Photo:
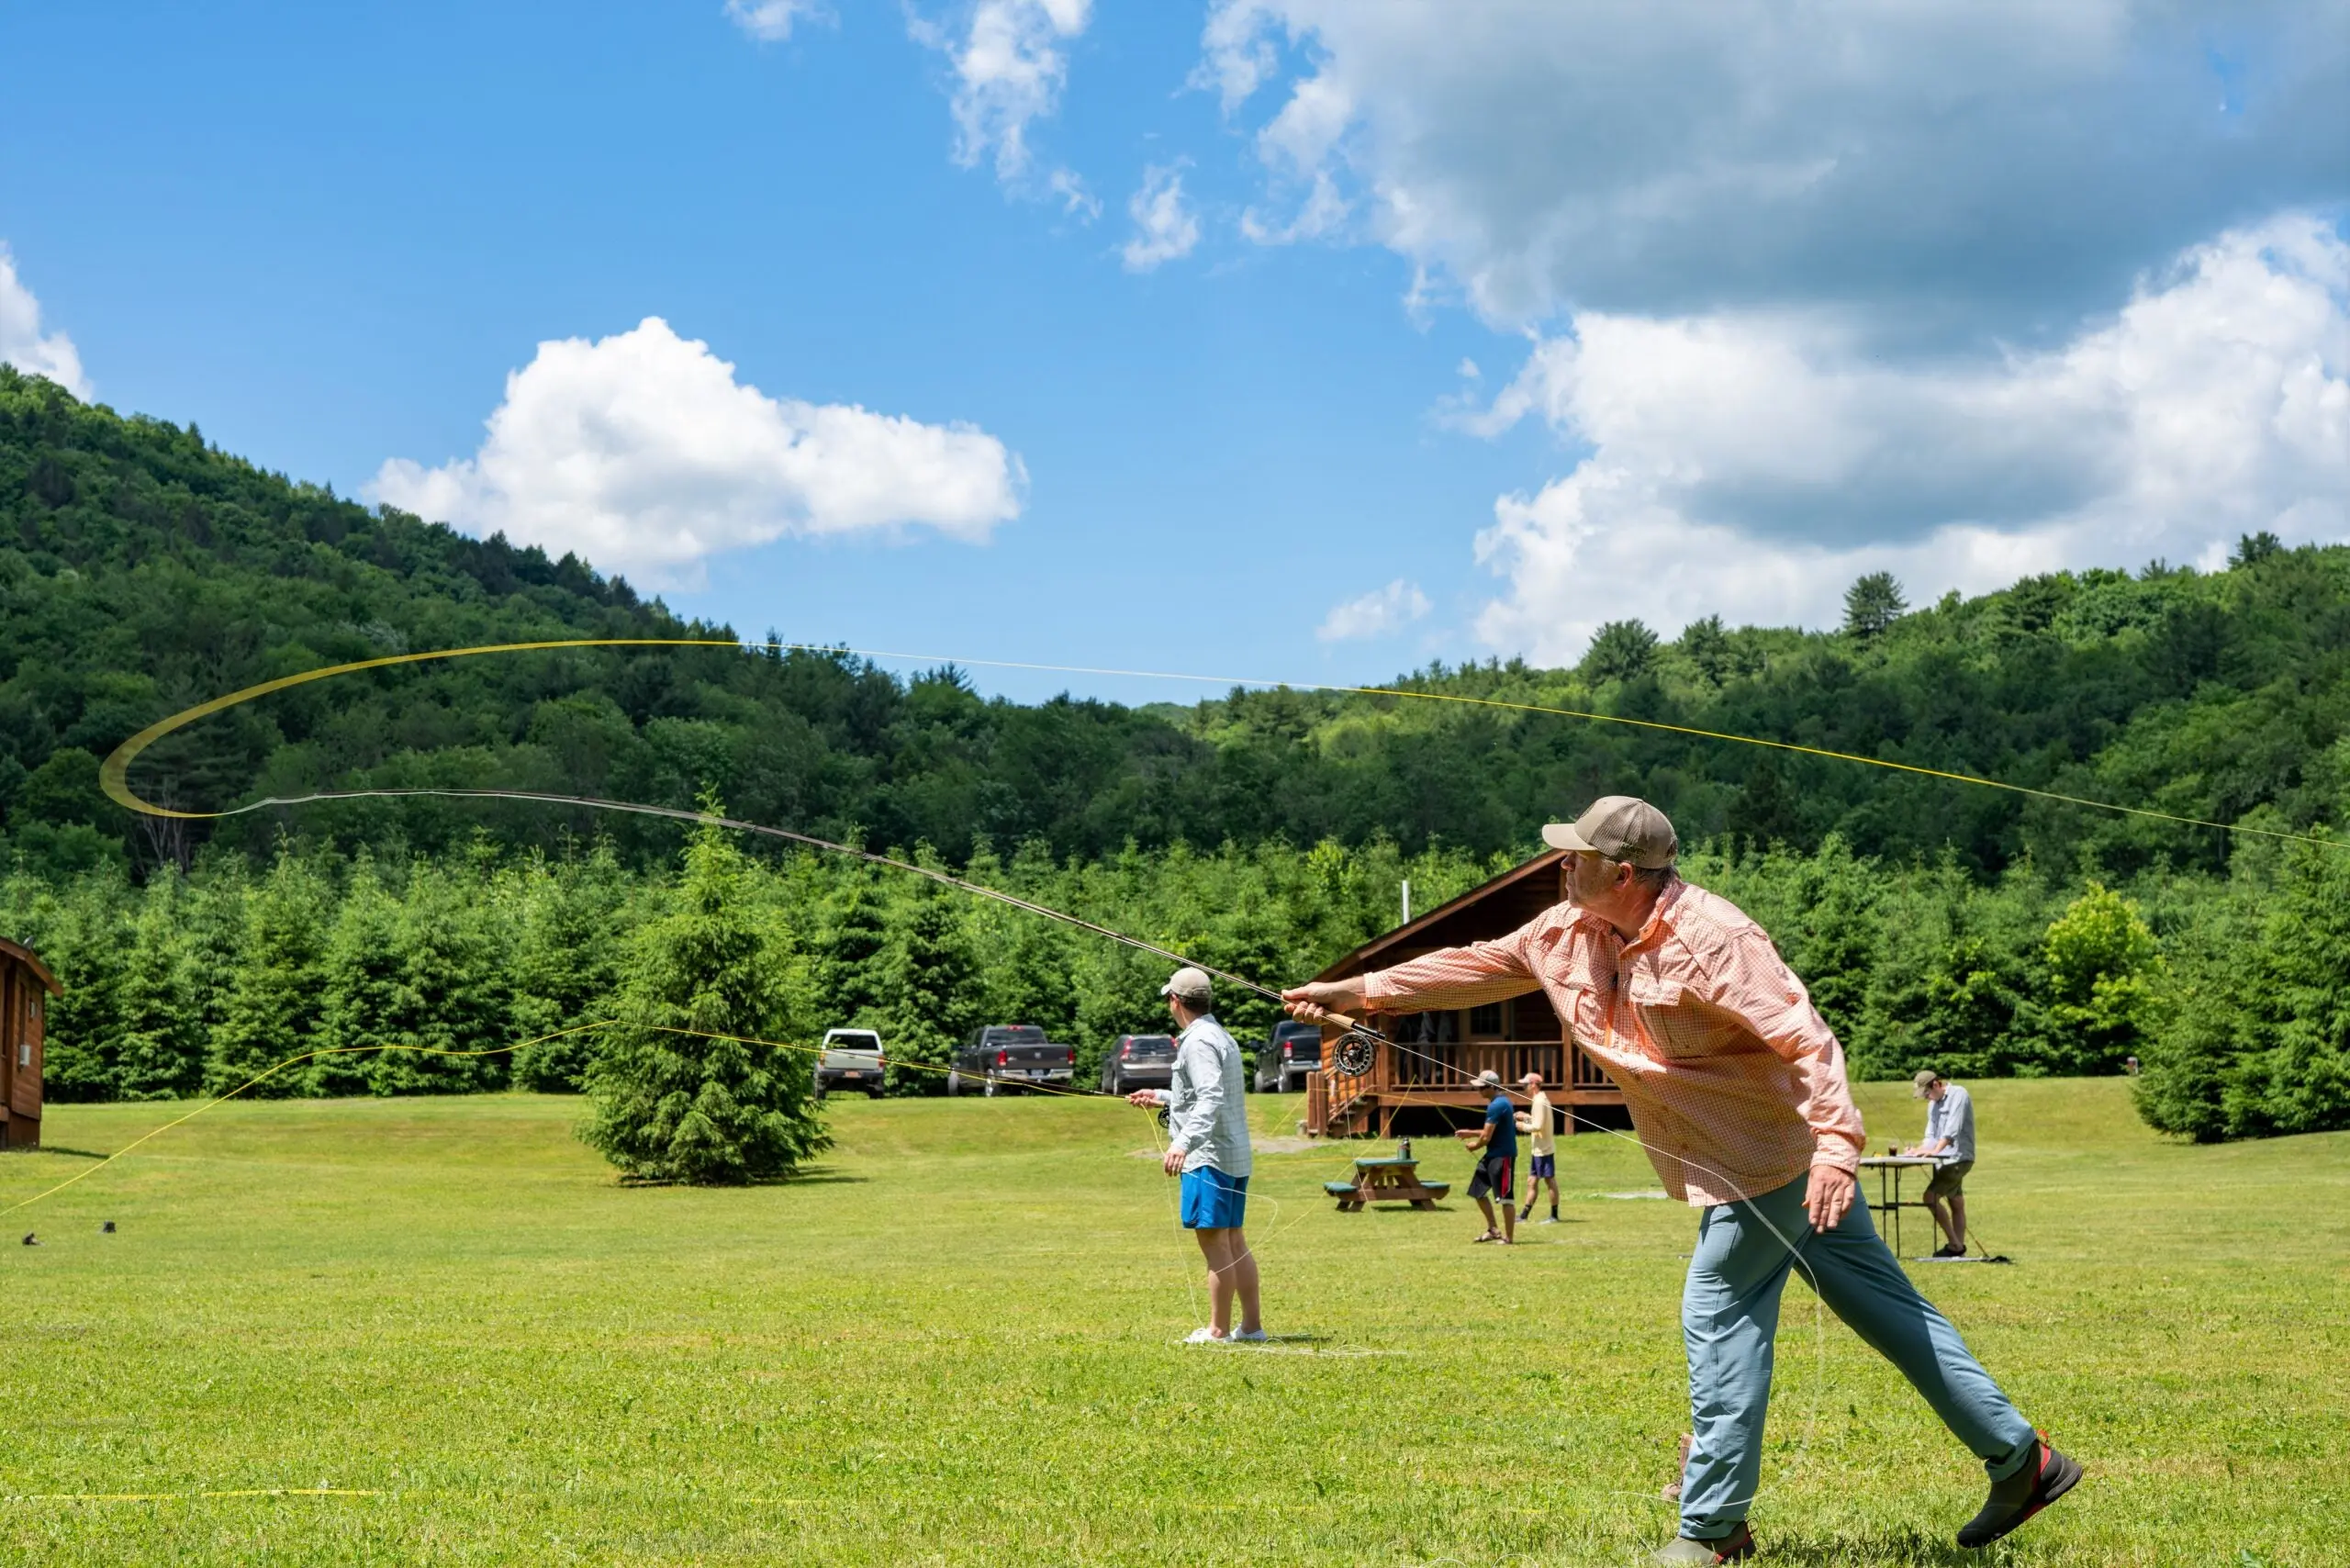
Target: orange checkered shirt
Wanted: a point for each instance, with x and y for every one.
(1735, 1081)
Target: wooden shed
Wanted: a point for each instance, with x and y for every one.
(1450, 1048)
(26, 986)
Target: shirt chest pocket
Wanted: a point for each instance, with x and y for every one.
(1674, 1022)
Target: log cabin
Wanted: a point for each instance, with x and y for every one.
(1435, 1081)
(26, 986)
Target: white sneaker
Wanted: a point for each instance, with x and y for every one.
(1250, 1336)
(1204, 1337)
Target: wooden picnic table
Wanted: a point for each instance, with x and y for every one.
(1387, 1179)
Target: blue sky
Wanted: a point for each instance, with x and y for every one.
(1139, 335)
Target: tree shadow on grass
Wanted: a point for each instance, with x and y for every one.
(809, 1176)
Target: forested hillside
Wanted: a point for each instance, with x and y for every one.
(142, 570)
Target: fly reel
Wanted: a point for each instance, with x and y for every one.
(1353, 1055)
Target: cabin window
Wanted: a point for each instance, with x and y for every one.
(1487, 1021)
(24, 1053)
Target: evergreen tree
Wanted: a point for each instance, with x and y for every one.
(1706, 647)
(1872, 605)
(935, 989)
(362, 970)
(451, 997)
(568, 917)
(851, 956)
(79, 933)
(162, 1040)
(673, 1107)
(1621, 650)
(274, 1002)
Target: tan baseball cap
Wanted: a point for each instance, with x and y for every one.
(1924, 1079)
(1190, 984)
(1621, 827)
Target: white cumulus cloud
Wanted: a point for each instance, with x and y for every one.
(24, 345)
(2002, 161)
(770, 21)
(1010, 61)
(643, 453)
(1165, 225)
(1752, 463)
(1375, 614)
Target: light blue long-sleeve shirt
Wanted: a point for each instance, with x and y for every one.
(1952, 1117)
(1207, 1104)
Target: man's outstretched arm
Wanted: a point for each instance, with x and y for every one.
(1456, 977)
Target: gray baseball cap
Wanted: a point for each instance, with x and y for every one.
(1190, 984)
(1489, 1079)
(1621, 827)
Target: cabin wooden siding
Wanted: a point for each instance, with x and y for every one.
(26, 986)
(1448, 1050)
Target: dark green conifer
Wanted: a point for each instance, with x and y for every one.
(273, 1002)
(161, 1046)
(678, 1108)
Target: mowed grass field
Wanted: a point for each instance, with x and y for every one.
(956, 1343)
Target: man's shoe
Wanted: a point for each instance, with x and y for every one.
(1734, 1546)
(1204, 1335)
(1250, 1336)
(2043, 1479)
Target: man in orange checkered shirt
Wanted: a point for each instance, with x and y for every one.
(1736, 1086)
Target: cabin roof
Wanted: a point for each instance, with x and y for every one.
(1355, 962)
(24, 955)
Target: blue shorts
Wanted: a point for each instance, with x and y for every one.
(1546, 1165)
(1212, 1201)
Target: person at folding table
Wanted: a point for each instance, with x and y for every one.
(1738, 1091)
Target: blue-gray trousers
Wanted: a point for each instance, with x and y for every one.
(1729, 1314)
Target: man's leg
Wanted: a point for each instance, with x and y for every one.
(1942, 1221)
(1486, 1207)
(1509, 1204)
(1217, 1249)
(1553, 1179)
(1241, 1267)
(1958, 1220)
(1729, 1316)
(1863, 1284)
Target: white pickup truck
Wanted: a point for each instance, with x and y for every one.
(851, 1059)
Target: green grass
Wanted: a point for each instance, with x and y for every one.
(955, 1344)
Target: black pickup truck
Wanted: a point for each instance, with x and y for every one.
(1283, 1062)
(1005, 1057)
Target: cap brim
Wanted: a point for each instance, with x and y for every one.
(1563, 835)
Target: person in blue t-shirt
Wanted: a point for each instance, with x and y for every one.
(1496, 1177)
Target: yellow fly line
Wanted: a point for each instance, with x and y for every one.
(114, 774)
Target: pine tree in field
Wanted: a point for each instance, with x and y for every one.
(673, 1107)
(273, 1000)
(79, 933)
(161, 1046)
(934, 991)
(851, 956)
(566, 917)
(452, 993)
(361, 968)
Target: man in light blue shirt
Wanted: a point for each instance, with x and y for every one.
(1207, 1145)
(1950, 1137)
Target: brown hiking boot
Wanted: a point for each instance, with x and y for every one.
(2039, 1482)
(1738, 1545)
